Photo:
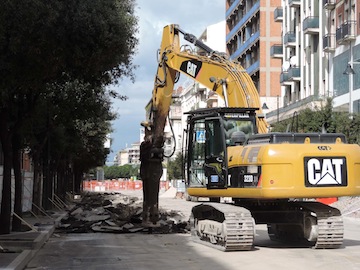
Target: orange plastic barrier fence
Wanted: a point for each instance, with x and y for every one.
(327, 200)
(117, 185)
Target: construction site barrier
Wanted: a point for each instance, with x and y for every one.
(120, 184)
(117, 185)
(327, 200)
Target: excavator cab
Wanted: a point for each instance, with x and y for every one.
(206, 159)
(210, 132)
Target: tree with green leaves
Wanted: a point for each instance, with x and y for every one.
(323, 119)
(112, 172)
(124, 171)
(175, 167)
(45, 45)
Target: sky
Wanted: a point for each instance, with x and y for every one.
(193, 16)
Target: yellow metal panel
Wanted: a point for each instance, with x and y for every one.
(283, 171)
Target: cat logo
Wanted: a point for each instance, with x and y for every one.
(191, 67)
(329, 171)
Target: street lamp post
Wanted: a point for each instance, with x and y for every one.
(350, 71)
(277, 111)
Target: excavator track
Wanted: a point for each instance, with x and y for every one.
(320, 225)
(221, 226)
(330, 229)
(330, 232)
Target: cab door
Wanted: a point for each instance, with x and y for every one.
(196, 153)
(215, 165)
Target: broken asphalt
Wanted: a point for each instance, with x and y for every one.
(95, 212)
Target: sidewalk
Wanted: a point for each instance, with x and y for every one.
(17, 249)
(20, 247)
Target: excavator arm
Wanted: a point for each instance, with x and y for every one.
(213, 70)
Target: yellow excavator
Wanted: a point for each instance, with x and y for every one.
(272, 178)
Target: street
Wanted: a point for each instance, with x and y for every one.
(177, 251)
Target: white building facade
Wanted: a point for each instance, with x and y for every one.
(320, 38)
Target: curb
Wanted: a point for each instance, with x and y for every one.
(26, 255)
(21, 260)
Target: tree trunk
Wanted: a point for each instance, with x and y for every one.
(5, 137)
(60, 183)
(47, 183)
(46, 177)
(37, 187)
(77, 181)
(16, 223)
(46, 192)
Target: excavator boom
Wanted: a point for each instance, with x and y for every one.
(228, 79)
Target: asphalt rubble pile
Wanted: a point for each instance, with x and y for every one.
(117, 213)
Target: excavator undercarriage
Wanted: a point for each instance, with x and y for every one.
(231, 227)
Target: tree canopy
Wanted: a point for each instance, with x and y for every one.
(175, 168)
(56, 59)
(124, 171)
(323, 119)
(89, 39)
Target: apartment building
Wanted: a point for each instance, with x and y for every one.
(130, 155)
(320, 54)
(341, 43)
(251, 33)
(302, 78)
(315, 45)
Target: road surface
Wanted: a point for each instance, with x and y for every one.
(176, 251)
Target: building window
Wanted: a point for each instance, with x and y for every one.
(341, 81)
(340, 20)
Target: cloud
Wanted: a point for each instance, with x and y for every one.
(191, 16)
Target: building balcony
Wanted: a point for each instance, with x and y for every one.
(231, 11)
(276, 51)
(284, 78)
(346, 32)
(253, 68)
(338, 35)
(294, 73)
(329, 43)
(311, 25)
(278, 14)
(329, 4)
(294, 3)
(246, 45)
(245, 19)
(290, 39)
